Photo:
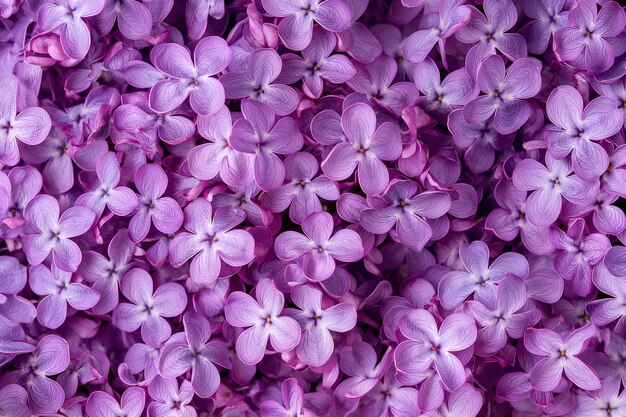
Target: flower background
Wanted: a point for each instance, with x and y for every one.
(312, 208)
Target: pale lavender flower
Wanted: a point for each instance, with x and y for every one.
(302, 193)
(57, 290)
(481, 279)
(296, 27)
(51, 357)
(169, 399)
(148, 307)
(548, 183)
(211, 242)
(547, 16)
(365, 149)
(260, 134)
(490, 34)
(263, 68)
(106, 274)
(187, 78)
(505, 93)
(507, 319)
(262, 321)
(317, 64)
(408, 210)
(576, 253)
(133, 18)
(318, 247)
(67, 17)
(376, 80)
(560, 355)
(163, 212)
(430, 344)
(585, 40)
(207, 160)
(316, 345)
(198, 354)
(105, 190)
(197, 13)
(30, 126)
(131, 404)
(46, 232)
(577, 129)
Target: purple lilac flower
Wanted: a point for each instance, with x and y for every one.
(29, 126)
(47, 233)
(365, 149)
(67, 17)
(318, 247)
(303, 191)
(260, 134)
(560, 356)
(257, 83)
(505, 93)
(197, 353)
(430, 344)
(481, 279)
(131, 404)
(189, 78)
(548, 184)
(317, 64)
(316, 345)
(133, 18)
(295, 401)
(149, 307)
(296, 27)
(585, 41)
(577, 130)
(547, 16)
(489, 34)
(197, 14)
(208, 160)
(58, 292)
(262, 321)
(210, 241)
(169, 398)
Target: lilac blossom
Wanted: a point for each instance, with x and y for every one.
(296, 27)
(257, 83)
(505, 93)
(187, 78)
(210, 241)
(376, 80)
(51, 357)
(197, 353)
(585, 41)
(548, 184)
(318, 247)
(131, 404)
(303, 191)
(260, 134)
(163, 212)
(29, 126)
(262, 320)
(207, 160)
(317, 65)
(547, 16)
(133, 18)
(316, 345)
(489, 33)
(148, 307)
(46, 232)
(58, 292)
(106, 273)
(560, 356)
(481, 279)
(67, 17)
(408, 210)
(430, 344)
(576, 130)
(295, 401)
(365, 149)
(169, 398)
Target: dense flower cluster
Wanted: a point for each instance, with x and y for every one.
(312, 208)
